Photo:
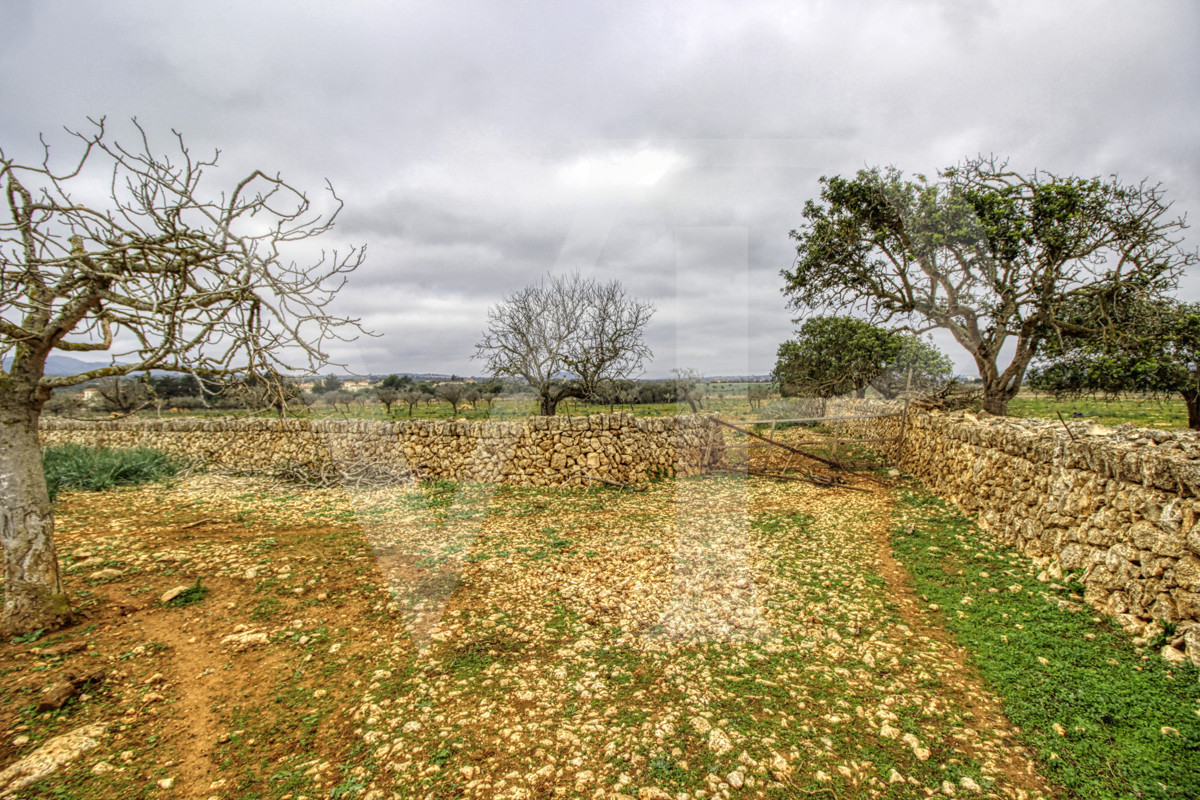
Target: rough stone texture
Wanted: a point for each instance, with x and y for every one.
(49, 757)
(538, 451)
(1119, 506)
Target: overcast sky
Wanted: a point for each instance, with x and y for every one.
(479, 146)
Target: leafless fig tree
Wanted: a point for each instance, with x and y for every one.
(566, 336)
(124, 395)
(155, 268)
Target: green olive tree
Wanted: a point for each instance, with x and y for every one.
(1154, 348)
(832, 356)
(991, 255)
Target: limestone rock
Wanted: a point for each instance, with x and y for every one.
(57, 650)
(105, 574)
(719, 742)
(172, 593)
(241, 640)
(55, 753)
(652, 793)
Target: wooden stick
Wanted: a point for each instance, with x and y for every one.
(1065, 425)
(795, 450)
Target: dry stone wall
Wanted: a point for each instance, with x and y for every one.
(539, 451)
(1119, 506)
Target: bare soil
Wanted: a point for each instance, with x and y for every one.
(718, 636)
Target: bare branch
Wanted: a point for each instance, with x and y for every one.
(566, 336)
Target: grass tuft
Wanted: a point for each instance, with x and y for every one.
(73, 466)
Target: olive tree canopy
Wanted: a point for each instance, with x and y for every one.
(989, 254)
(566, 336)
(832, 356)
(919, 366)
(155, 268)
(1155, 350)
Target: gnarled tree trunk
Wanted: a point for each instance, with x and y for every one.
(549, 405)
(1192, 398)
(996, 404)
(550, 398)
(33, 593)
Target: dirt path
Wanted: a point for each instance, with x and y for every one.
(711, 637)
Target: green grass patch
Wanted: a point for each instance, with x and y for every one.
(1105, 718)
(73, 466)
(1144, 412)
(29, 638)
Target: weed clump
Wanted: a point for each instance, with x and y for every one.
(189, 596)
(73, 466)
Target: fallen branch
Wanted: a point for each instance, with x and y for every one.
(836, 465)
(359, 473)
(1065, 425)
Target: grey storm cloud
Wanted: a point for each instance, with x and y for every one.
(480, 146)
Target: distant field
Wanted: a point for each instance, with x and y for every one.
(727, 402)
(1141, 411)
(730, 400)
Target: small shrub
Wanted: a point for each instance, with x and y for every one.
(189, 596)
(1165, 636)
(73, 466)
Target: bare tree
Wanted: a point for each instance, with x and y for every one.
(565, 336)
(388, 397)
(161, 271)
(452, 393)
(123, 395)
(689, 387)
(410, 398)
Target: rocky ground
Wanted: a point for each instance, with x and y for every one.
(719, 636)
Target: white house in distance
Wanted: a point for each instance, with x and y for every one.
(92, 396)
(356, 386)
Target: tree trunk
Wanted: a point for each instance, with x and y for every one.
(995, 403)
(1192, 398)
(549, 405)
(33, 593)
(997, 406)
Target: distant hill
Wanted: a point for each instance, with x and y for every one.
(65, 365)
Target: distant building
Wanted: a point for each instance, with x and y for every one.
(356, 386)
(92, 397)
